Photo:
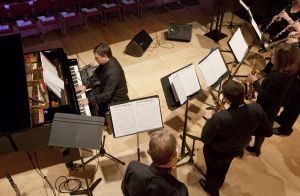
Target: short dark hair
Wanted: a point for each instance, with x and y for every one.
(233, 91)
(162, 147)
(103, 49)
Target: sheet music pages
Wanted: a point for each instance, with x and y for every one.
(177, 88)
(238, 45)
(189, 80)
(136, 116)
(212, 67)
(184, 83)
(252, 21)
(50, 76)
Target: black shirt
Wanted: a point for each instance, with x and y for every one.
(143, 180)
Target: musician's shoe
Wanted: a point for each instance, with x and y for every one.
(278, 131)
(202, 183)
(253, 150)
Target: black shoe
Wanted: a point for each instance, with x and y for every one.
(203, 184)
(254, 150)
(277, 131)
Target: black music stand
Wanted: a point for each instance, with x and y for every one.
(78, 131)
(218, 12)
(172, 105)
(142, 115)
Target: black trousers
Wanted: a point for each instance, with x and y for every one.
(217, 165)
(291, 110)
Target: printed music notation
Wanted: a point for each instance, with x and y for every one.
(136, 116)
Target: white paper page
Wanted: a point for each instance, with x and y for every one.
(212, 67)
(259, 34)
(179, 90)
(189, 80)
(252, 21)
(148, 116)
(136, 116)
(47, 65)
(244, 5)
(238, 45)
(123, 119)
(207, 72)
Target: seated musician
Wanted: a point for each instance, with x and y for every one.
(111, 79)
(228, 132)
(157, 178)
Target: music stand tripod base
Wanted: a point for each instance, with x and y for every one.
(215, 35)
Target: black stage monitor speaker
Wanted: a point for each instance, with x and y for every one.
(138, 45)
(179, 32)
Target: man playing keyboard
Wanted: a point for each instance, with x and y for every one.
(108, 82)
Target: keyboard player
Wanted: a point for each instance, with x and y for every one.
(109, 76)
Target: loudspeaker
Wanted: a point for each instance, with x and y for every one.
(139, 44)
(179, 32)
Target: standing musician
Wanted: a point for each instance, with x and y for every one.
(280, 22)
(291, 110)
(156, 179)
(274, 87)
(111, 81)
(228, 132)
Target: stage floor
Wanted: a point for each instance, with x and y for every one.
(275, 172)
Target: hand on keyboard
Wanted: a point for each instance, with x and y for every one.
(80, 89)
(83, 102)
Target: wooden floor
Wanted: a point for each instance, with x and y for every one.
(275, 172)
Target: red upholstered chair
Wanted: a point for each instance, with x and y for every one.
(5, 25)
(68, 13)
(24, 21)
(46, 15)
(89, 9)
(131, 5)
(110, 7)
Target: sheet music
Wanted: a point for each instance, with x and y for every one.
(212, 67)
(238, 45)
(184, 83)
(50, 76)
(252, 21)
(136, 116)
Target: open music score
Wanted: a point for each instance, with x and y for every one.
(238, 45)
(136, 116)
(184, 83)
(213, 67)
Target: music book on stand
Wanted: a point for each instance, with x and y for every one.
(213, 68)
(184, 83)
(135, 116)
(238, 46)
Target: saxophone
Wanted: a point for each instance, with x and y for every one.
(248, 87)
(219, 105)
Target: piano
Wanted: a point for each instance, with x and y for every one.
(43, 102)
(28, 101)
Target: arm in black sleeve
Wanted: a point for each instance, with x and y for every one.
(265, 127)
(210, 129)
(111, 82)
(266, 94)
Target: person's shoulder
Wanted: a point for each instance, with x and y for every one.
(255, 107)
(136, 164)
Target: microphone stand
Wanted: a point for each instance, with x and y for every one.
(218, 12)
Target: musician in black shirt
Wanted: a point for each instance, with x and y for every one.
(156, 179)
(228, 132)
(108, 83)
